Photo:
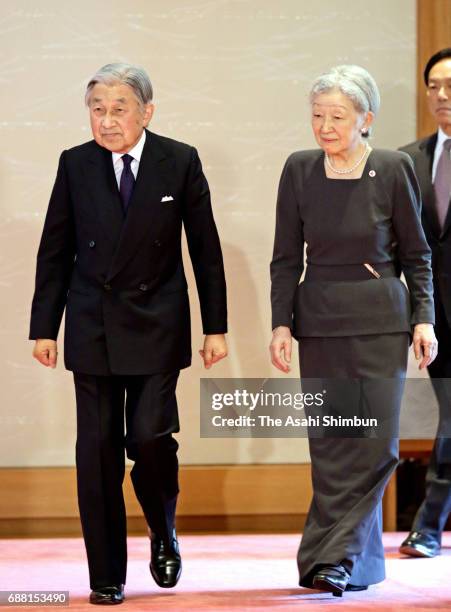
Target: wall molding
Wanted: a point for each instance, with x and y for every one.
(42, 502)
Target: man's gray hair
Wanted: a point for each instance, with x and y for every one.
(127, 74)
(354, 82)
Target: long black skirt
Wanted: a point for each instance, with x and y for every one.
(350, 474)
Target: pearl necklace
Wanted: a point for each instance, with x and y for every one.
(348, 170)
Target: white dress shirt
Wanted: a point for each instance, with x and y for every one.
(136, 153)
(441, 137)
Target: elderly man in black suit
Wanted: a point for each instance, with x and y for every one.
(110, 253)
(431, 157)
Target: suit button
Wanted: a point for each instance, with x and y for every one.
(143, 287)
(107, 287)
(92, 244)
(157, 243)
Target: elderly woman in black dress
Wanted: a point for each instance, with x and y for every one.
(358, 211)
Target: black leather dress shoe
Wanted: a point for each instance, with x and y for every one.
(332, 578)
(165, 561)
(419, 544)
(107, 596)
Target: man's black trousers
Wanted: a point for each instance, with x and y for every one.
(105, 431)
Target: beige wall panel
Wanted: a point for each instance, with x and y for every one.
(231, 78)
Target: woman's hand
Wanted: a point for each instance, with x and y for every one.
(280, 348)
(425, 344)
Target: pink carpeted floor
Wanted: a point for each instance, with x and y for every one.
(227, 572)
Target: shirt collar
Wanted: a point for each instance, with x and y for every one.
(441, 137)
(135, 152)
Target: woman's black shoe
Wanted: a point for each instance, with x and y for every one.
(331, 578)
(356, 587)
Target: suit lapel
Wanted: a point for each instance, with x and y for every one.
(423, 168)
(447, 224)
(153, 175)
(102, 184)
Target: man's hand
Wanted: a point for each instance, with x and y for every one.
(215, 349)
(46, 352)
(280, 348)
(425, 344)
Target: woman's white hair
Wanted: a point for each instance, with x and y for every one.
(127, 74)
(354, 82)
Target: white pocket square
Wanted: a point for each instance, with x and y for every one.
(167, 199)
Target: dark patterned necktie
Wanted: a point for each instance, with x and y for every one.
(442, 182)
(127, 182)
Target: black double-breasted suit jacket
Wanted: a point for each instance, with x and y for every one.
(422, 154)
(121, 276)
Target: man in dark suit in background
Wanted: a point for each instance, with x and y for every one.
(110, 253)
(431, 157)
